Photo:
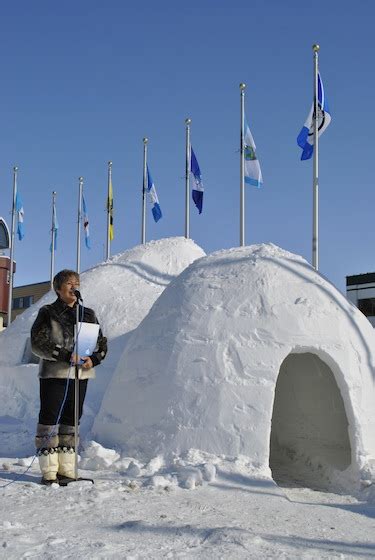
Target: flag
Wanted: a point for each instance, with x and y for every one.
(305, 139)
(197, 192)
(110, 209)
(156, 210)
(86, 224)
(20, 215)
(253, 174)
(55, 227)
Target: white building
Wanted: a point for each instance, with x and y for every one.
(360, 290)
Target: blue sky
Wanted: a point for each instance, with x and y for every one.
(83, 82)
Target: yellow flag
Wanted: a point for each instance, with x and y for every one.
(110, 209)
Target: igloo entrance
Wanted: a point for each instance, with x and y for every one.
(309, 432)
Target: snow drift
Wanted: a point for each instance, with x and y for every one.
(249, 352)
(121, 291)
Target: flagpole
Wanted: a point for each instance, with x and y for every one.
(242, 166)
(108, 252)
(187, 179)
(315, 239)
(79, 220)
(53, 233)
(145, 141)
(10, 301)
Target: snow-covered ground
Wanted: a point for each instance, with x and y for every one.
(197, 509)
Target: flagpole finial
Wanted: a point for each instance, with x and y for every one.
(80, 179)
(54, 193)
(145, 140)
(242, 86)
(109, 164)
(187, 121)
(15, 168)
(315, 48)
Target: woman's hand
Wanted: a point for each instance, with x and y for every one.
(87, 362)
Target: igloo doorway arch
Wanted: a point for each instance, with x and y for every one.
(309, 431)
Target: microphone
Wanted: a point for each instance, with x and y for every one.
(77, 293)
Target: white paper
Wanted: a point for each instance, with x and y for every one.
(87, 338)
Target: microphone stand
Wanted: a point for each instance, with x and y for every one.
(76, 394)
(77, 370)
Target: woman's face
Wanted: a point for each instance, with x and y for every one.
(66, 292)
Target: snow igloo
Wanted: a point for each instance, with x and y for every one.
(121, 291)
(250, 352)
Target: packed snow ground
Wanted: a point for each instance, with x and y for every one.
(203, 507)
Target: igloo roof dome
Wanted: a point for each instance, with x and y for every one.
(239, 336)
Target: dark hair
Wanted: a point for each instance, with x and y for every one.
(63, 276)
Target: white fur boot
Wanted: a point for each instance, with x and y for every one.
(49, 464)
(46, 442)
(67, 451)
(66, 466)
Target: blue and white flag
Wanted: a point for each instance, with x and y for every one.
(156, 210)
(20, 215)
(86, 228)
(305, 139)
(55, 227)
(253, 174)
(197, 192)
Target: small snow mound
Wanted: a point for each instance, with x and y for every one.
(96, 457)
(189, 477)
(134, 470)
(122, 464)
(154, 466)
(25, 461)
(163, 482)
(185, 473)
(209, 472)
(12, 525)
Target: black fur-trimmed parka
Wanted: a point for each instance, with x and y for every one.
(52, 339)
